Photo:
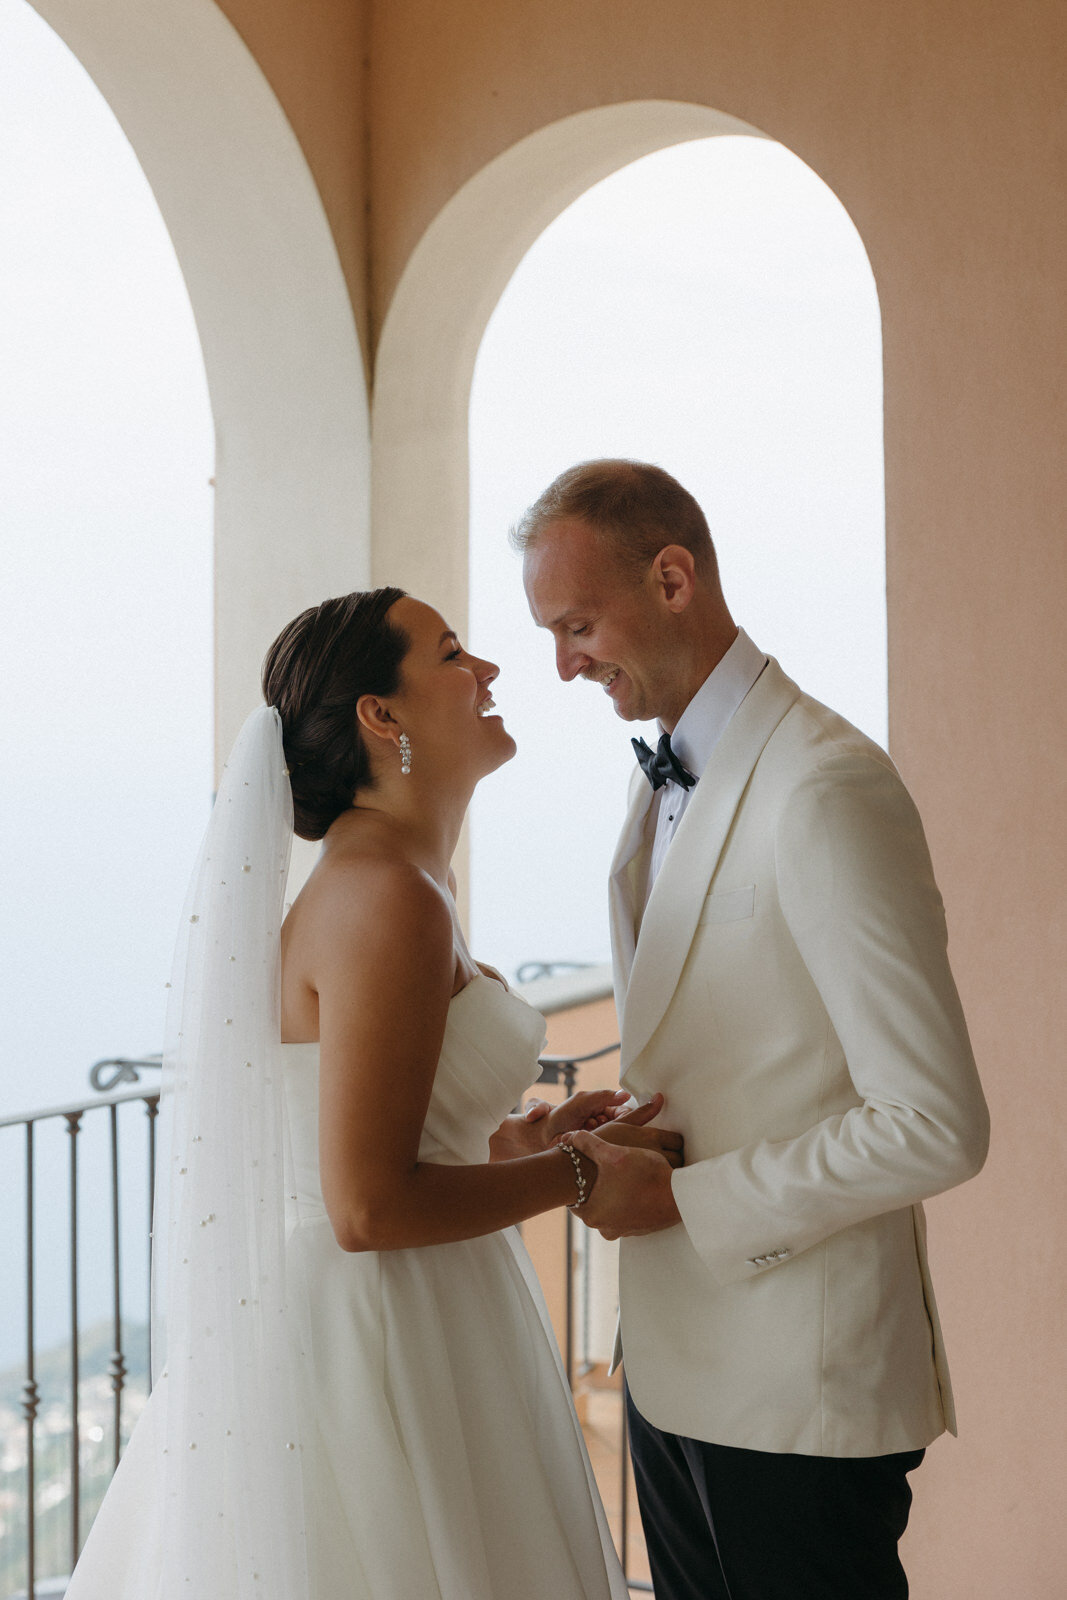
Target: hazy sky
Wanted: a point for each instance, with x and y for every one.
(105, 650)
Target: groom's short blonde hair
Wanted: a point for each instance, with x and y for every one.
(636, 507)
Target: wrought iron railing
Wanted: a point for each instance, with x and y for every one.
(531, 971)
(107, 1077)
(74, 1116)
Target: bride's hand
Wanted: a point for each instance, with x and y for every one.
(630, 1129)
(590, 1109)
(540, 1124)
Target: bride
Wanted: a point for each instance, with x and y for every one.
(361, 1397)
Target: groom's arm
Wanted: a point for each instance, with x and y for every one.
(857, 890)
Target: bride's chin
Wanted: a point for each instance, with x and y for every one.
(506, 748)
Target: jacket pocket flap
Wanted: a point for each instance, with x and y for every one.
(730, 905)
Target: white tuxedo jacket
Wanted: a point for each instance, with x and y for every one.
(791, 996)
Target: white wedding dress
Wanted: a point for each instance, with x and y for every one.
(443, 1459)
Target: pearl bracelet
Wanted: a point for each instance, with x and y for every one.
(579, 1175)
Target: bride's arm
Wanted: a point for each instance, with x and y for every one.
(383, 967)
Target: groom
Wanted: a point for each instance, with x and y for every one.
(781, 975)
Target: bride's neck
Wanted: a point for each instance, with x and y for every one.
(424, 820)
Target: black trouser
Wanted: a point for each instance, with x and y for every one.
(728, 1524)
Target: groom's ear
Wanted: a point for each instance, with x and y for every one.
(375, 718)
(673, 572)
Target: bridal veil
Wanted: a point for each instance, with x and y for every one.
(228, 1321)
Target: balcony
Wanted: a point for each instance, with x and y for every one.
(86, 1172)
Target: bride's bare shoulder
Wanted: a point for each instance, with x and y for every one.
(367, 882)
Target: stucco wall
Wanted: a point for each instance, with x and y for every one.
(939, 125)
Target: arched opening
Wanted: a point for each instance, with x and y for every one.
(439, 313)
(711, 308)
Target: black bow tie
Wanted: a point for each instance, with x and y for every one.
(662, 765)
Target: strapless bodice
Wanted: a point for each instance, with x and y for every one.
(488, 1058)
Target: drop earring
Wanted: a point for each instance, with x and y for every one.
(405, 755)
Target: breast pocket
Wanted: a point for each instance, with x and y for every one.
(729, 905)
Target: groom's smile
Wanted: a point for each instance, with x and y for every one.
(600, 617)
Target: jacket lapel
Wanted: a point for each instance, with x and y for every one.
(674, 906)
(622, 886)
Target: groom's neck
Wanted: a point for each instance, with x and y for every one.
(697, 651)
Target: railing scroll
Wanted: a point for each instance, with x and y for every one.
(122, 1069)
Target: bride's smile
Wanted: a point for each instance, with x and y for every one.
(443, 690)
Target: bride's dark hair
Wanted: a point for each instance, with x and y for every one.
(314, 672)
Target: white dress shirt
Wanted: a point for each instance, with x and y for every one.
(700, 727)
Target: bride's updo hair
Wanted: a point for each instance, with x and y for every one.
(314, 672)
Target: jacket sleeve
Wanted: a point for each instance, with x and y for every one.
(856, 888)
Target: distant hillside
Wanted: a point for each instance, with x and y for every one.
(96, 1412)
(94, 1355)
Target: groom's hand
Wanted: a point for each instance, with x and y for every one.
(632, 1128)
(631, 1193)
